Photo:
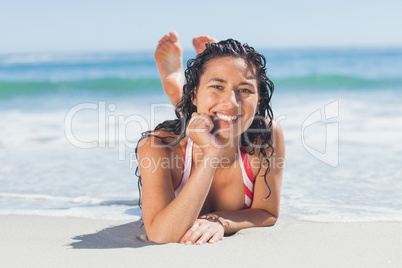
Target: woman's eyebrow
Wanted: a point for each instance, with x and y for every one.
(217, 80)
(246, 84)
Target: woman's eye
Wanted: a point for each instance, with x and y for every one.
(245, 90)
(217, 86)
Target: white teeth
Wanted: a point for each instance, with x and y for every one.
(227, 117)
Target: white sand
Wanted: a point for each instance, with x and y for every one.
(38, 241)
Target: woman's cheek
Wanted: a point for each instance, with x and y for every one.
(206, 102)
(251, 105)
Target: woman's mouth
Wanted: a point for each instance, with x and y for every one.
(227, 118)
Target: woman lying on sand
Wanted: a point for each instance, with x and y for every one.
(220, 161)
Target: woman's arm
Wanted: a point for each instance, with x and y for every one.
(165, 217)
(263, 212)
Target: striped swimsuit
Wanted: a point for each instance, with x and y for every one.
(248, 177)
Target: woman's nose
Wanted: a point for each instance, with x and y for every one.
(229, 100)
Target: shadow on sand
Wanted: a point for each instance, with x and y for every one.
(130, 235)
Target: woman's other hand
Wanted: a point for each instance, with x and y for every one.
(206, 229)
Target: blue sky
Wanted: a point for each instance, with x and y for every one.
(123, 25)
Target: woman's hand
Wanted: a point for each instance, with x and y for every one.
(199, 130)
(208, 228)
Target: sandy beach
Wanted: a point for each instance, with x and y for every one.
(40, 241)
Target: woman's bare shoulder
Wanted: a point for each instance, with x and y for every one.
(276, 134)
(157, 142)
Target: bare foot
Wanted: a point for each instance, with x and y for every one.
(169, 59)
(199, 42)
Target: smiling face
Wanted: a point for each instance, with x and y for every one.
(228, 92)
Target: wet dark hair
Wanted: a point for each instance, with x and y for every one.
(258, 135)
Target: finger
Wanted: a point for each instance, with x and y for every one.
(203, 118)
(215, 238)
(208, 121)
(196, 235)
(189, 232)
(197, 123)
(206, 236)
(200, 124)
(195, 114)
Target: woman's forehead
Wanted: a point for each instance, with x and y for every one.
(223, 65)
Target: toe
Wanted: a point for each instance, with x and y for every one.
(174, 37)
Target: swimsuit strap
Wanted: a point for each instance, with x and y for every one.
(187, 162)
(248, 178)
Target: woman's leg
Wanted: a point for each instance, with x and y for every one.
(199, 42)
(169, 59)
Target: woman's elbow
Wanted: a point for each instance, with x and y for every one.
(161, 237)
(271, 219)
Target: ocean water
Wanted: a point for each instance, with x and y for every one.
(69, 124)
